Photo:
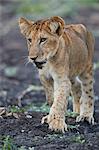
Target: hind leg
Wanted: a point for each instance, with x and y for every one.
(76, 91)
(87, 98)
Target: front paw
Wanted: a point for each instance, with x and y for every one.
(90, 119)
(55, 122)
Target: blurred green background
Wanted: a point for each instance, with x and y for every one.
(46, 8)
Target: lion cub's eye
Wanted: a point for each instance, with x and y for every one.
(42, 40)
(30, 40)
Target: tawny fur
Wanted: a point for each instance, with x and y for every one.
(68, 52)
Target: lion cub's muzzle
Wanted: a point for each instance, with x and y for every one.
(39, 65)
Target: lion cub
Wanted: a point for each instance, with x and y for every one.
(62, 53)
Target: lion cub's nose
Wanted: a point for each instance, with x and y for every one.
(33, 58)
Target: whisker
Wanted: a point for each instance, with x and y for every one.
(24, 56)
(27, 63)
(26, 60)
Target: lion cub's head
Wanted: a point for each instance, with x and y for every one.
(42, 37)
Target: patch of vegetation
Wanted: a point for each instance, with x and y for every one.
(43, 108)
(78, 139)
(71, 127)
(8, 144)
(71, 114)
(32, 107)
(16, 109)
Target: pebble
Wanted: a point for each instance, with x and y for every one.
(28, 116)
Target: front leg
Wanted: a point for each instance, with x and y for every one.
(48, 88)
(56, 117)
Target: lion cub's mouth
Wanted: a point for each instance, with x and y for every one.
(39, 65)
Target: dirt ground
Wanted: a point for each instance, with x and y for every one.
(15, 77)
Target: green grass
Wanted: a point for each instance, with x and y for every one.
(71, 127)
(8, 144)
(43, 108)
(16, 109)
(78, 139)
(32, 107)
(71, 114)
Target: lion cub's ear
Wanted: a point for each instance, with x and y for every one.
(24, 25)
(57, 25)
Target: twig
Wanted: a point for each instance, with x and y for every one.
(29, 89)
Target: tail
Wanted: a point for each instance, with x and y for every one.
(90, 41)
